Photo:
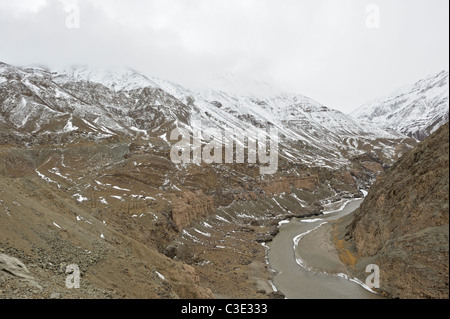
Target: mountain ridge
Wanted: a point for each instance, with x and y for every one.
(107, 103)
(416, 110)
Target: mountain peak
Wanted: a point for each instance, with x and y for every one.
(116, 78)
(416, 110)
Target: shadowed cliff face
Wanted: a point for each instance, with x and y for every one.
(403, 224)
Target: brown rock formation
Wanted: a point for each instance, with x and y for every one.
(191, 206)
(403, 225)
(285, 184)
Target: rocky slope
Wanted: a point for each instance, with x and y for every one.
(416, 110)
(403, 224)
(47, 230)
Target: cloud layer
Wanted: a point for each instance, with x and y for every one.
(320, 48)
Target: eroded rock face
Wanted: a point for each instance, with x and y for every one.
(193, 205)
(403, 225)
(285, 185)
(190, 207)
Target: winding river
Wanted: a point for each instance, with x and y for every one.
(292, 249)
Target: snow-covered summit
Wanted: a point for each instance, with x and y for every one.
(416, 110)
(118, 78)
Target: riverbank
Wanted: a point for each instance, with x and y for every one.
(307, 263)
(318, 253)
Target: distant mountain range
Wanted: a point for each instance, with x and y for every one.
(38, 105)
(416, 110)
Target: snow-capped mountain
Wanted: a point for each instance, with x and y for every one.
(94, 102)
(310, 131)
(416, 111)
(97, 103)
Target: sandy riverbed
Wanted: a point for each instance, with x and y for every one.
(315, 250)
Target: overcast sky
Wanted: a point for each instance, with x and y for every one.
(341, 53)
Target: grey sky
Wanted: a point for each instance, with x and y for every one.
(319, 48)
